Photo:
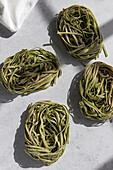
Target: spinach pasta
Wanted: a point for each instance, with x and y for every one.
(29, 71)
(96, 91)
(80, 33)
(46, 131)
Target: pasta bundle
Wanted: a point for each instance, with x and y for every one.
(80, 33)
(29, 71)
(96, 90)
(46, 131)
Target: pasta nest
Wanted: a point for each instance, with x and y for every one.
(96, 91)
(79, 31)
(30, 70)
(46, 131)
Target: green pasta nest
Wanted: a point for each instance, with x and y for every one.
(96, 90)
(29, 71)
(80, 33)
(46, 131)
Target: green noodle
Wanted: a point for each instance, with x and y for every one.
(46, 131)
(29, 71)
(80, 33)
(96, 91)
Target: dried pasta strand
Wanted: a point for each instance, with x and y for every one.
(29, 71)
(46, 131)
(96, 91)
(80, 33)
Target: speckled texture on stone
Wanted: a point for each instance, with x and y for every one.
(90, 144)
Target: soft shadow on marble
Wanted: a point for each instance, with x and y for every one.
(108, 165)
(107, 29)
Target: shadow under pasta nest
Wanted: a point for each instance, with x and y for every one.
(73, 99)
(23, 159)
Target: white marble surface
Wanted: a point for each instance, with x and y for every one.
(90, 147)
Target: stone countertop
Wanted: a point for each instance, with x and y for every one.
(90, 146)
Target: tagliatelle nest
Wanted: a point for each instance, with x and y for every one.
(80, 33)
(30, 70)
(46, 131)
(96, 90)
